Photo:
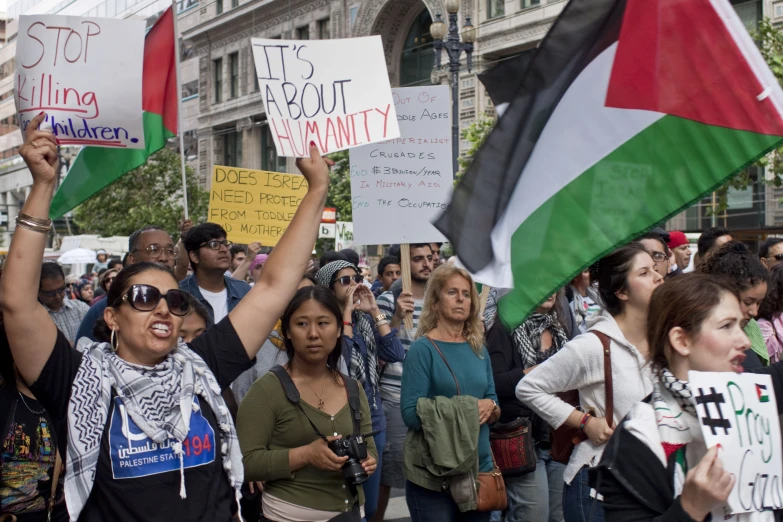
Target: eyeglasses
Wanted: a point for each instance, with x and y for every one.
(52, 293)
(659, 256)
(778, 257)
(214, 244)
(145, 298)
(155, 251)
(346, 280)
(109, 280)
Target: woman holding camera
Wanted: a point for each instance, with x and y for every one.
(280, 440)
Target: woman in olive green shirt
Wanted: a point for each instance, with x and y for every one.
(303, 477)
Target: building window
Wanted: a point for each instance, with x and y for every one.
(749, 11)
(234, 3)
(218, 65)
(418, 54)
(530, 3)
(324, 29)
(233, 64)
(232, 149)
(354, 11)
(219, 6)
(269, 158)
(303, 33)
(496, 8)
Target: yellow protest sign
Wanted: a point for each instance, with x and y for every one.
(254, 205)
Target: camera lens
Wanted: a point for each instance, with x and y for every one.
(353, 472)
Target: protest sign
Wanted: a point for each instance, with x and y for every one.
(86, 74)
(739, 412)
(254, 205)
(344, 236)
(398, 186)
(327, 231)
(333, 92)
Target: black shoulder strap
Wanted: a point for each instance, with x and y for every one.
(288, 384)
(352, 387)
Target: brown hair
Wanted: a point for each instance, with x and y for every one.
(611, 274)
(684, 301)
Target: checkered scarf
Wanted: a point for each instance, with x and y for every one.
(158, 399)
(527, 338)
(679, 390)
(325, 276)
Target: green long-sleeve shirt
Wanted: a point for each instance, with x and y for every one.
(269, 426)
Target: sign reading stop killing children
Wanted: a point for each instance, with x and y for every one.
(86, 74)
(332, 92)
(739, 412)
(254, 205)
(399, 185)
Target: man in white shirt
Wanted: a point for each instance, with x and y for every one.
(210, 257)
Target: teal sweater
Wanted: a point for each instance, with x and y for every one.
(426, 375)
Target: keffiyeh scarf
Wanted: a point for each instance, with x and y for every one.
(364, 326)
(527, 338)
(327, 272)
(679, 390)
(159, 399)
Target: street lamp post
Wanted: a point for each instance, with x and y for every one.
(454, 48)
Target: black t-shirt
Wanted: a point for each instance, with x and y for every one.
(136, 479)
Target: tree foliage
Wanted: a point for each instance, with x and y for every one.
(476, 133)
(339, 195)
(148, 195)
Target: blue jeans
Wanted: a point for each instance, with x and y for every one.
(537, 496)
(373, 485)
(437, 506)
(578, 504)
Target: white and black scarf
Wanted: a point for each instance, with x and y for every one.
(159, 399)
(679, 390)
(364, 325)
(527, 338)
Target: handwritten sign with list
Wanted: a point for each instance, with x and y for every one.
(398, 186)
(739, 412)
(86, 74)
(254, 205)
(333, 92)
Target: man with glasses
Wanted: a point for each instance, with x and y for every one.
(151, 244)
(67, 314)
(771, 252)
(210, 256)
(656, 246)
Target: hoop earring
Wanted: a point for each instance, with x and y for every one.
(115, 343)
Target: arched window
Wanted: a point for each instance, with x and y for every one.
(418, 55)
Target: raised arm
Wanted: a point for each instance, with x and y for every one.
(31, 332)
(182, 261)
(252, 251)
(256, 315)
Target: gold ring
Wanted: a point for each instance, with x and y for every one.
(34, 145)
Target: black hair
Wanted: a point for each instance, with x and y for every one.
(330, 256)
(125, 259)
(325, 298)
(611, 274)
(736, 262)
(437, 243)
(236, 249)
(200, 310)
(310, 276)
(385, 261)
(199, 235)
(394, 251)
(135, 237)
(767, 244)
(51, 270)
(120, 287)
(709, 237)
(772, 305)
(7, 372)
(656, 236)
(421, 245)
(351, 256)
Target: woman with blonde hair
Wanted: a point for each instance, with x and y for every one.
(447, 386)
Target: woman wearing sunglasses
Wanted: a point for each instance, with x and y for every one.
(367, 338)
(148, 435)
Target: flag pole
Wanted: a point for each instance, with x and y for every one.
(180, 129)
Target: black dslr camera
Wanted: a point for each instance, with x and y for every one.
(355, 448)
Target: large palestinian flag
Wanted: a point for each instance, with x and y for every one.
(629, 112)
(95, 167)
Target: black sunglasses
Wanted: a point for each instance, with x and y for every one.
(346, 280)
(52, 293)
(778, 257)
(145, 298)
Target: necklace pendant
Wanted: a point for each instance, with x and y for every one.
(320, 404)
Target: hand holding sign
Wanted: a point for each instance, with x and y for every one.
(707, 486)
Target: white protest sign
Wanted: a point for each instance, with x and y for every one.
(739, 412)
(85, 73)
(344, 237)
(327, 231)
(332, 92)
(400, 185)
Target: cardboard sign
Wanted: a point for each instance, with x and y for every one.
(344, 236)
(86, 74)
(400, 185)
(327, 231)
(739, 412)
(254, 205)
(333, 92)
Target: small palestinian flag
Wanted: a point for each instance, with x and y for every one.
(95, 167)
(761, 391)
(629, 112)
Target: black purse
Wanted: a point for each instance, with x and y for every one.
(513, 446)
